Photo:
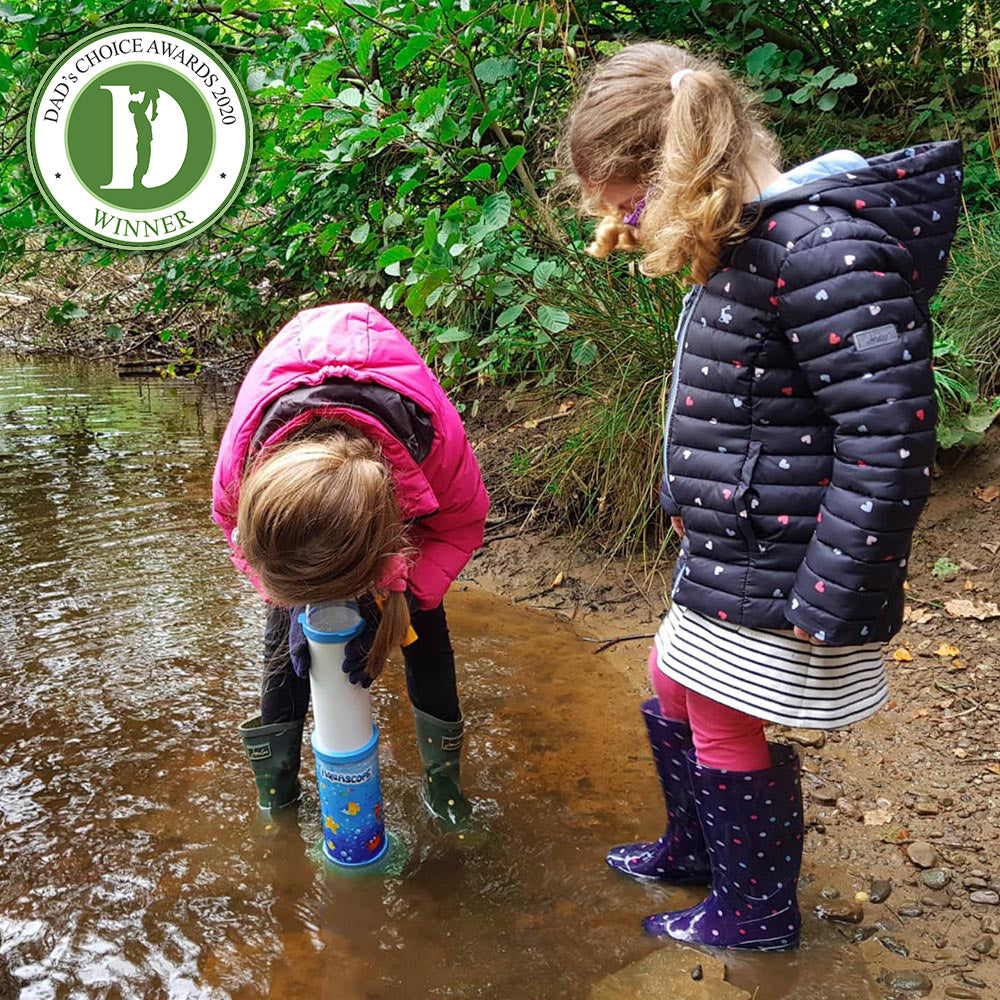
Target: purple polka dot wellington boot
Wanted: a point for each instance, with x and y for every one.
(752, 821)
(679, 857)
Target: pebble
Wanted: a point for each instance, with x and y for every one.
(830, 893)
(921, 854)
(825, 795)
(935, 878)
(697, 973)
(990, 897)
(910, 910)
(894, 945)
(862, 934)
(975, 882)
(961, 993)
(984, 945)
(848, 807)
(841, 910)
(862, 897)
(972, 981)
(880, 891)
(806, 737)
(989, 924)
(910, 982)
(927, 809)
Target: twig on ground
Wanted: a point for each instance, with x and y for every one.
(608, 643)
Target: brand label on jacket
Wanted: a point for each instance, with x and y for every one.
(879, 336)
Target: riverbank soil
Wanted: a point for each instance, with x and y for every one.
(903, 815)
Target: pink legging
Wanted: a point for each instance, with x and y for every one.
(724, 738)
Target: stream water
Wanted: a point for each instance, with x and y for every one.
(132, 864)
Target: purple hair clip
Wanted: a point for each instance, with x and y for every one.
(632, 219)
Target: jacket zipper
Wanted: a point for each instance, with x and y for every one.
(687, 314)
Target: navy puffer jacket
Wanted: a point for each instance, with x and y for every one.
(800, 428)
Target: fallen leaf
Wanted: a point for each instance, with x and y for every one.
(560, 576)
(992, 547)
(878, 817)
(988, 493)
(967, 567)
(946, 650)
(902, 655)
(962, 607)
(945, 569)
(958, 665)
(960, 753)
(993, 768)
(921, 713)
(917, 616)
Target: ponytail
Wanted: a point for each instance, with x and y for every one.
(689, 139)
(392, 631)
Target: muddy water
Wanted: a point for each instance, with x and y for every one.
(131, 862)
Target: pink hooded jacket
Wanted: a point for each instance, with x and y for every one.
(350, 363)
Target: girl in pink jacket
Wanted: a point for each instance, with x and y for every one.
(345, 472)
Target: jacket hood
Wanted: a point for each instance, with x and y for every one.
(913, 194)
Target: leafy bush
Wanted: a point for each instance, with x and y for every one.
(403, 157)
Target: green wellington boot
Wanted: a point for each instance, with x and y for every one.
(440, 746)
(274, 752)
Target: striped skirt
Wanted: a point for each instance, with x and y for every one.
(771, 675)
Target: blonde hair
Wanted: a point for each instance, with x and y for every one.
(318, 521)
(692, 151)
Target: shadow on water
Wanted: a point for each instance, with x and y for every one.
(131, 860)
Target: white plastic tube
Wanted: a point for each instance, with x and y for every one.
(342, 711)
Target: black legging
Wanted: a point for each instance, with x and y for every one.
(430, 670)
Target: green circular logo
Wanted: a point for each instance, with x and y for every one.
(139, 136)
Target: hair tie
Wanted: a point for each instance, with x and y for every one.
(393, 574)
(675, 80)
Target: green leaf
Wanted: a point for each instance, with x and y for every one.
(412, 49)
(842, 80)
(827, 101)
(394, 255)
(584, 352)
(496, 211)
(760, 58)
(772, 95)
(552, 319)
(114, 332)
(351, 97)
(944, 568)
(512, 158)
(482, 172)
(360, 233)
(801, 95)
(7, 13)
(365, 49)
(492, 70)
(824, 74)
(510, 314)
(452, 335)
(543, 272)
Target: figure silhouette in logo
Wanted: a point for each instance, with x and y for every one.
(143, 131)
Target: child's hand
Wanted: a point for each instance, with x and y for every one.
(677, 523)
(801, 633)
(356, 653)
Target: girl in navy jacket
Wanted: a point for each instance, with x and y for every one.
(799, 439)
